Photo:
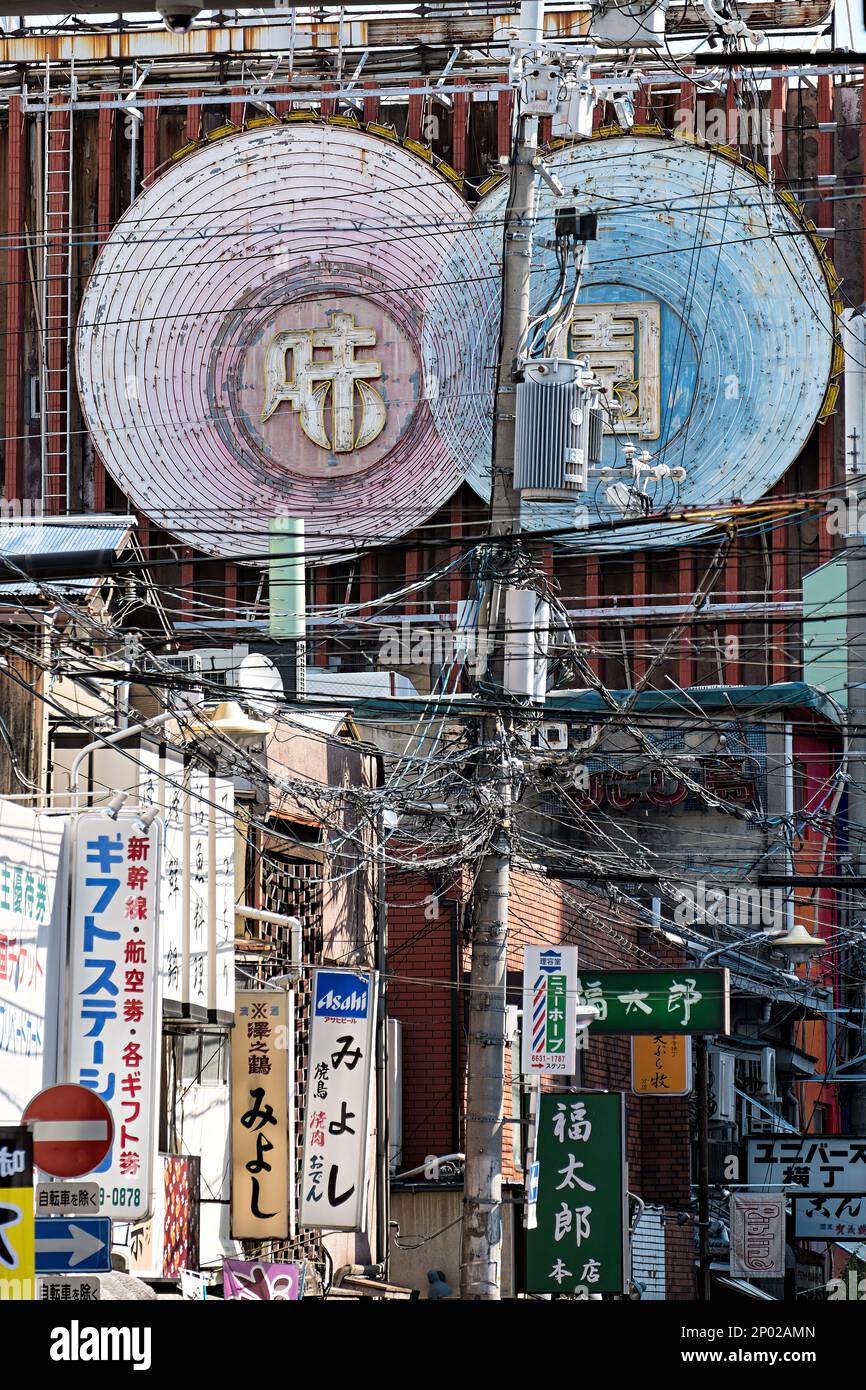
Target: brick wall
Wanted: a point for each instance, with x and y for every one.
(426, 942)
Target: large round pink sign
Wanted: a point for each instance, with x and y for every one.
(268, 352)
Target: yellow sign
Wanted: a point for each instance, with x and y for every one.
(263, 1151)
(17, 1253)
(661, 1064)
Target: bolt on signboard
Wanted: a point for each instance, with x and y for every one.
(112, 1024)
(549, 1009)
(337, 1120)
(579, 1244)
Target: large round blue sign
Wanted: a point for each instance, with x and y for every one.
(706, 308)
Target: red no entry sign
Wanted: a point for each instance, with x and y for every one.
(72, 1130)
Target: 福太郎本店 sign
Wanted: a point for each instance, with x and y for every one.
(657, 1001)
(262, 1121)
(579, 1242)
(112, 1017)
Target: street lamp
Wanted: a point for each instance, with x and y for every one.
(798, 945)
(229, 718)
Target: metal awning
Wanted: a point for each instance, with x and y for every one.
(743, 1286)
(25, 543)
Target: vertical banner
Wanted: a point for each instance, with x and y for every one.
(221, 907)
(661, 1064)
(549, 1009)
(172, 980)
(757, 1235)
(196, 883)
(262, 1116)
(30, 958)
(17, 1225)
(580, 1241)
(339, 1075)
(113, 1026)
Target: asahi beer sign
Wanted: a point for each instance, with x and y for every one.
(549, 1009)
(337, 1121)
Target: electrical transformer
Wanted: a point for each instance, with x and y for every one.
(558, 429)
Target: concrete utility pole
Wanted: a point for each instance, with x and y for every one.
(854, 340)
(855, 552)
(481, 1254)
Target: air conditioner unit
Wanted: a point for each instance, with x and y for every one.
(551, 737)
(759, 1122)
(219, 667)
(768, 1073)
(182, 675)
(723, 1101)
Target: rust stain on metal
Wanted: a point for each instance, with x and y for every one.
(200, 42)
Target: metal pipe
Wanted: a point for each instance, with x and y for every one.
(106, 740)
(278, 919)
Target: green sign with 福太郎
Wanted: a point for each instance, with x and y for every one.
(578, 1244)
(657, 1001)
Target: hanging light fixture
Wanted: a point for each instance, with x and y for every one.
(229, 718)
(798, 945)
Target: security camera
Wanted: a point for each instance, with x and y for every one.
(178, 19)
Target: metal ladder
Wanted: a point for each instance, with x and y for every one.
(56, 298)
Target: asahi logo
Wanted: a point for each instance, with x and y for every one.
(746, 905)
(318, 386)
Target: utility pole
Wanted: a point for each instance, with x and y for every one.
(481, 1253)
(855, 552)
(854, 331)
(703, 1102)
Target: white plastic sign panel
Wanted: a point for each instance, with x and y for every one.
(113, 1023)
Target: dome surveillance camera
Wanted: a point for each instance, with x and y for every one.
(178, 19)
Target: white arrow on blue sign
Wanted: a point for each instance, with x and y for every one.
(81, 1246)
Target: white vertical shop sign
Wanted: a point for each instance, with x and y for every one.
(113, 1021)
(172, 979)
(196, 885)
(221, 913)
(339, 1077)
(31, 933)
(549, 1010)
(757, 1235)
